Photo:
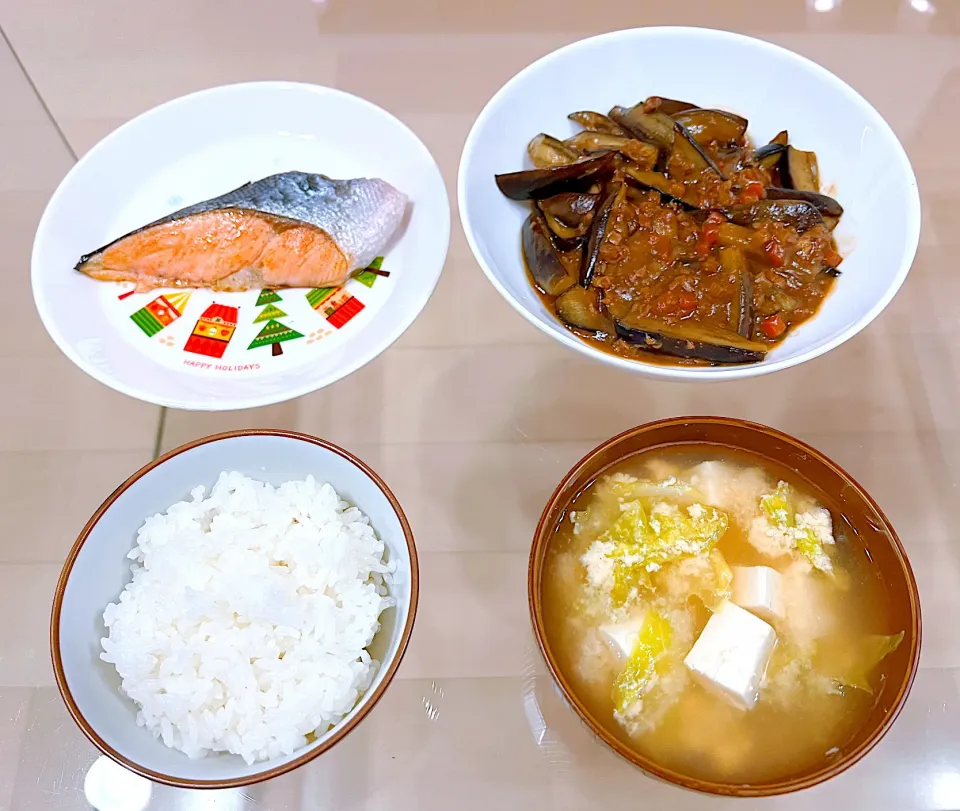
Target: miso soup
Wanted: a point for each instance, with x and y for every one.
(710, 610)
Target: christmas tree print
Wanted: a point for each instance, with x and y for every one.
(267, 297)
(269, 312)
(272, 334)
(160, 313)
(368, 277)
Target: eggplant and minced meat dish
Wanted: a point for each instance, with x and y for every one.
(660, 228)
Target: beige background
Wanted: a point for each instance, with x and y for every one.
(471, 722)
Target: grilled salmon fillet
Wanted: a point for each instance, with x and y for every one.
(288, 230)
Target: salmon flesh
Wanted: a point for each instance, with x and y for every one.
(288, 230)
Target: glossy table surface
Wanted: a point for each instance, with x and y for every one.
(469, 416)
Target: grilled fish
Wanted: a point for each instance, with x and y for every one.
(289, 230)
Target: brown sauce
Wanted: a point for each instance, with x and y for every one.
(702, 246)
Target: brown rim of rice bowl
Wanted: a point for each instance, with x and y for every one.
(339, 731)
(704, 430)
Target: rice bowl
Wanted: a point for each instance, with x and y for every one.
(364, 586)
(246, 625)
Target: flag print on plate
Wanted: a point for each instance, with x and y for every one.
(213, 331)
(160, 313)
(256, 331)
(335, 304)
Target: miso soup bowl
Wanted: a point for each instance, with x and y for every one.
(866, 524)
(861, 163)
(97, 570)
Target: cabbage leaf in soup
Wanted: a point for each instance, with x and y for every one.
(807, 531)
(643, 537)
(639, 675)
(850, 666)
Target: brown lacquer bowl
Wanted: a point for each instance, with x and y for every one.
(866, 524)
(97, 569)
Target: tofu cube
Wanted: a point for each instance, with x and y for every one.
(624, 635)
(759, 590)
(731, 655)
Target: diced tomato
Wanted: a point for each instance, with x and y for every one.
(773, 326)
(752, 191)
(709, 232)
(668, 303)
(773, 248)
(832, 258)
(688, 302)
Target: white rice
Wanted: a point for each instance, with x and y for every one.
(246, 625)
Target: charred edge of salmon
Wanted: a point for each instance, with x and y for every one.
(289, 222)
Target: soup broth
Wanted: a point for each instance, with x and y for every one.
(646, 556)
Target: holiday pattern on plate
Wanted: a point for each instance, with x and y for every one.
(273, 333)
(237, 329)
(213, 331)
(160, 313)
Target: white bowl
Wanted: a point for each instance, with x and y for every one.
(861, 162)
(200, 146)
(97, 570)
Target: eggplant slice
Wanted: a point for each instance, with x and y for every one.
(797, 213)
(704, 161)
(598, 122)
(690, 341)
(655, 128)
(598, 231)
(823, 203)
(641, 153)
(799, 170)
(668, 106)
(546, 151)
(769, 155)
(542, 259)
(568, 215)
(579, 307)
(713, 125)
(535, 184)
(745, 303)
(592, 141)
(656, 182)
(734, 261)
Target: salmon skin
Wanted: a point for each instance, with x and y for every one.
(289, 230)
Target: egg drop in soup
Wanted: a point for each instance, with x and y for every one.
(709, 610)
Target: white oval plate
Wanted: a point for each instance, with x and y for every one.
(201, 146)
